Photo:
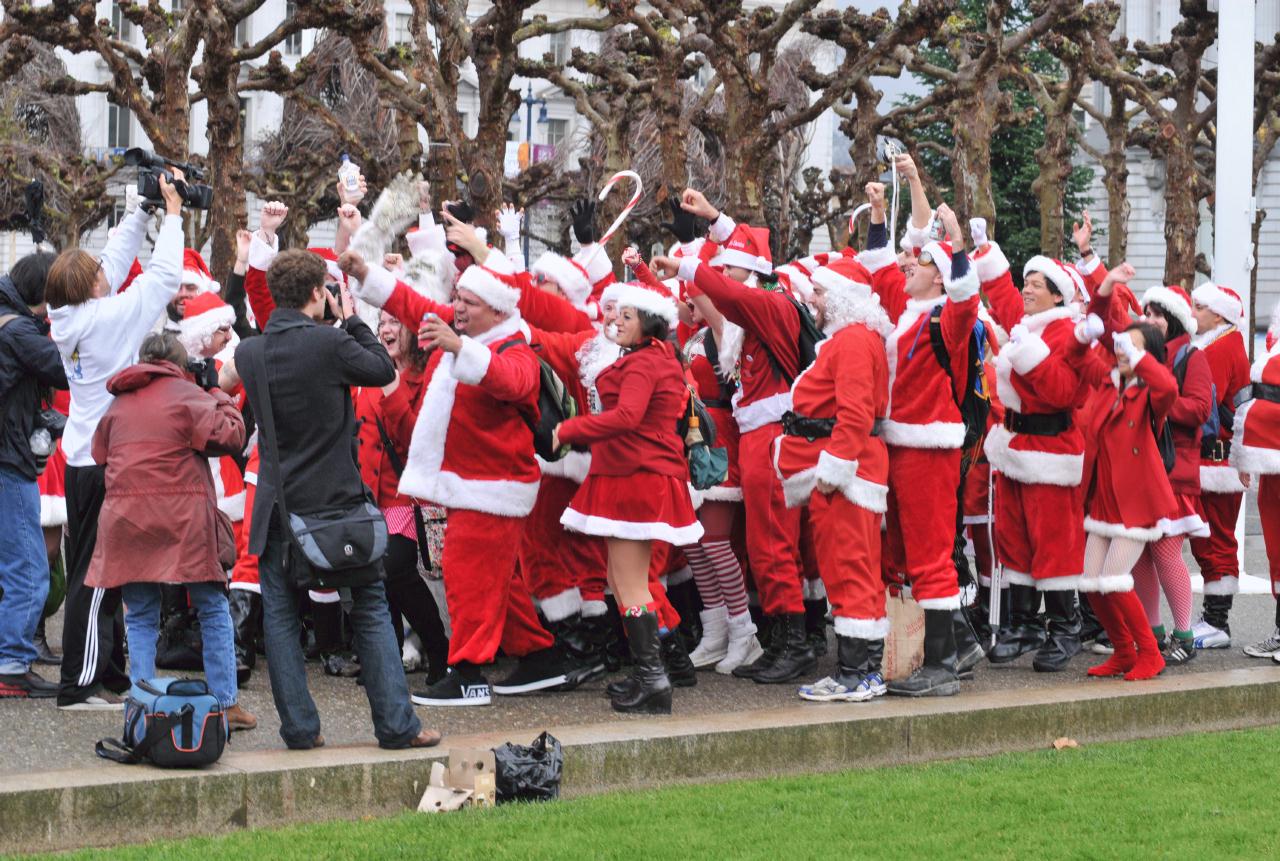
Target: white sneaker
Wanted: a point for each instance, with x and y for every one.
(104, 701)
(829, 690)
(410, 655)
(1209, 637)
(1268, 648)
(743, 646)
(714, 645)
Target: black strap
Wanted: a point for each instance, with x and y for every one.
(1046, 424)
(1215, 449)
(157, 730)
(1266, 392)
(267, 424)
(397, 466)
(531, 421)
(724, 400)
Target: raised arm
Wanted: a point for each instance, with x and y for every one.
(379, 287)
(122, 248)
(361, 358)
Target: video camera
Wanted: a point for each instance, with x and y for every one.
(205, 371)
(151, 167)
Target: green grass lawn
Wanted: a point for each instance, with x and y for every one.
(1187, 797)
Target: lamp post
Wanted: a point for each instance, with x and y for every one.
(529, 102)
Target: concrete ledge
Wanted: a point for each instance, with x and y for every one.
(109, 805)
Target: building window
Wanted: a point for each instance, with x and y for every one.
(243, 34)
(292, 42)
(244, 117)
(118, 122)
(560, 48)
(122, 25)
(403, 30)
(116, 216)
(557, 131)
(179, 6)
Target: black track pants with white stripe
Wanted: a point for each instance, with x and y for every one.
(93, 629)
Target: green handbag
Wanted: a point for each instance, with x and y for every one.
(707, 466)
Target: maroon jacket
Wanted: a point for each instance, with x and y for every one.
(158, 518)
(1188, 413)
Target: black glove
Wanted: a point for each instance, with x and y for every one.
(583, 214)
(462, 211)
(205, 371)
(683, 224)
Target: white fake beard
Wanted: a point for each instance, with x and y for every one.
(729, 345)
(611, 332)
(593, 357)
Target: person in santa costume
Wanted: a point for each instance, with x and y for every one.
(1125, 514)
(196, 279)
(637, 489)
(761, 341)
(1219, 312)
(1038, 454)
(925, 432)
(832, 458)
(472, 452)
(1255, 450)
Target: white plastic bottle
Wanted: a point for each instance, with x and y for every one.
(349, 176)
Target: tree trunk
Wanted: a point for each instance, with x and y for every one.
(1050, 185)
(1182, 216)
(974, 124)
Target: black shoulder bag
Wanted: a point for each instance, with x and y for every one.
(419, 519)
(336, 542)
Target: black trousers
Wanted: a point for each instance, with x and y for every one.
(93, 625)
(409, 596)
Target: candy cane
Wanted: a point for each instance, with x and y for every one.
(853, 217)
(622, 216)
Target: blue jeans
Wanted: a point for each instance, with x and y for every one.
(394, 721)
(142, 622)
(24, 571)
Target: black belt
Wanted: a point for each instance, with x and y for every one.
(1266, 392)
(718, 404)
(1215, 449)
(1046, 424)
(811, 429)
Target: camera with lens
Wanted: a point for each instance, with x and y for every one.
(205, 371)
(151, 167)
(49, 425)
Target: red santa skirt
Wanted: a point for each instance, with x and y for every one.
(643, 506)
(53, 490)
(1104, 518)
(1188, 520)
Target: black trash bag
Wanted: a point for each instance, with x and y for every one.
(529, 773)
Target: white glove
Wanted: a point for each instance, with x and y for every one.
(978, 230)
(1017, 333)
(1091, 329)
(131, 199)
(1124, 345)
(510, 222)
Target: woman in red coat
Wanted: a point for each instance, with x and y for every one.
(636, 491)
(159, 521)
(1131, 496)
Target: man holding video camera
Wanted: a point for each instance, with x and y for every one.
(28, 362)
(98, 331)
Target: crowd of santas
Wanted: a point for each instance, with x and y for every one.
(878, 408)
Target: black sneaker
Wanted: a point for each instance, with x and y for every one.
(1179, 652)
(455, 689)
(536, 671)
(30, 685)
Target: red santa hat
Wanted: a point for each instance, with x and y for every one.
(1056, 273)
(330, 258)
(496, 290)
(1174, 302)
(1077, 279)
(202, 316)
(569, 274)
(748, 248)
(195, 271)
(940, 256)
(846, 276)
(135, 269)
(1223, 301)
(796, 280)
(643, 297)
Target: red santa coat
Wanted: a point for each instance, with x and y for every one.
(398, 413)
(848, 381)
(471, 447)
(1229, 363)
(708, 385)
(1131, 491)
(1255, 443)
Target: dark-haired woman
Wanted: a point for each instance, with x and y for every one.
(1131, 496)
(636, 491)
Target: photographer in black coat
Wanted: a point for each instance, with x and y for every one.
(29, 365)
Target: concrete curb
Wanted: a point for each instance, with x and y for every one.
(106, 806)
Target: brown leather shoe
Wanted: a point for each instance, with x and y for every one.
(239, 719)
(319, 742)
(426, 738)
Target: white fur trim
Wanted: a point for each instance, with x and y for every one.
(1220, 479)
(1086, 267)
(594, 608)
(590, 524)
(1032, 467)
(721, 229)
(1109, 583)
(813, 590)
(574, 466)
(1058, 276)
(1172, 304)
(797, 489)
(1058, 584)
(233, 506)
(1251, 458)
(1005, 391)
(1027, 355)
(326, 597)
(572, 279)
(53, 511)
(472, 361)
(975, 519)
(599, 267)
(861, 629)
(377, 286)
(734, 257)
(722, 493)
(991, 264)
(424, 476)
(963, 288)
(1192, 525)
(495, 293)
(1119, 530)
(255, 588)
(867, 494)
(1226, 585)
(1217, 300)
(833, 280)
(918, 237)
(759, 413)
(949, 603)
(561, 606)
(1037, 323)
(835, 470)
(260, 253)
(1016, 578)
(425, 238)
(875, 259)
(930, 435)
(645, 299)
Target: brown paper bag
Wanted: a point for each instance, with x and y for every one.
(904, 647)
